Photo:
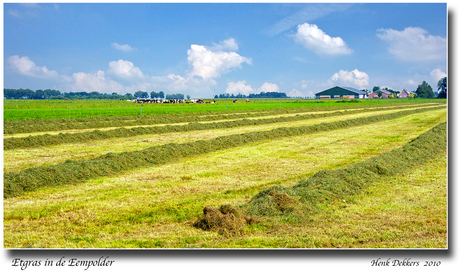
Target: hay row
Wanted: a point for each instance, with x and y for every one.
(62, 138)
(72, 172)
(296, 203)
(43, 125)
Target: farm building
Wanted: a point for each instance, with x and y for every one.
(385, 94)
(341, 92)
(404, 93)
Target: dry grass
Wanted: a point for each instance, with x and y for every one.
(20, 159)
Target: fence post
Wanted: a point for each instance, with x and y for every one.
(141, 109)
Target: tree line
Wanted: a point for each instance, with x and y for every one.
(55, 94)
(261, 95)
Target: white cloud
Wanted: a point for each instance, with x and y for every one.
(14, 13)
(86, 82)
(124, 69)
(269, 87)
(209, 64)
(28, 11)
(316, 40)
(307, 13)
(437, 74)
(355, 77)
(124, 47)
(239, 87)
(24, 66)
(413, 45)
(412, 82)
(229, 44)
(295, 93)
(304, 84)
(30, 5)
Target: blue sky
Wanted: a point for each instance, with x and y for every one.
(207, 49)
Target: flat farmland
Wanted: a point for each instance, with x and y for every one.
(355, 176)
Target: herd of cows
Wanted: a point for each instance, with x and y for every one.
(172, 101)
(175, 101)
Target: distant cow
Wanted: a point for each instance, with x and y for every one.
(247, 100)
(234, 101)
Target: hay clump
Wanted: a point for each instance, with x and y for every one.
(284, 202)
(227, 220)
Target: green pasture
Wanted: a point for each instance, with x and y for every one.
(52, 109)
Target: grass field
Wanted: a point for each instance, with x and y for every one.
(150, 203)
(52, 109)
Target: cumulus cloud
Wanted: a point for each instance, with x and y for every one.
(124, 47)
(87, 82)
(314, 39)
(225, 45)
(269, 87)
(412, 82)
(414, 45)
(355, 77)
(24, 66)
(124, 69)
(239, 87)
(295, 93)
(437, 74)
(212, 64)
(205, 65)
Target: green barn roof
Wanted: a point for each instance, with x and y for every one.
(337, 90)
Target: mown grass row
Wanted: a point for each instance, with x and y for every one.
(295, 204)
(61, 138)
(42, 125)
(71, 172)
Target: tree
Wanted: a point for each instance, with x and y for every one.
(188, 96)
(161, 94)
(379, 93)
(39, 94)
(175, 96)
(424, 90)
(153, 95)
(49, 93)
(442, 87)
(141, 94)
(129, 96)
(375, 89)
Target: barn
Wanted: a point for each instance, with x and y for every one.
(341, 92)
